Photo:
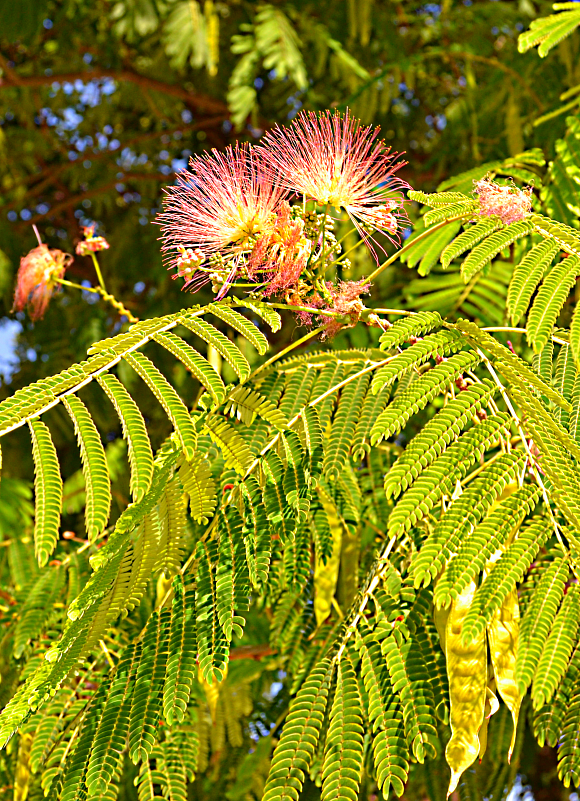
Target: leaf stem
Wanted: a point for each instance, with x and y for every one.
(280, 354)
(98, 271)
(105, 295)
(408, 246)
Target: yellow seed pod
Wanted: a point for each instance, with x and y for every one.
(502, 634)
(467, 672)
(440, 617)
(326, 575)
(491, 707)
(212, 692)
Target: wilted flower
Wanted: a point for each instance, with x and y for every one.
(91, 243)
(330, 158)
(281, 254)
(37, 279)
(508, 203)
(346, 300)
(223, 203)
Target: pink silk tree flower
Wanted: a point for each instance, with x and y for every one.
(37, 279)
(91, 243)
(222, 204)
(281, 254)
(330, 158)
(508, 203)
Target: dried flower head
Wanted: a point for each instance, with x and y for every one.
(329, 157)
(223, 203)
(37, 279)
(345, 300)
(508, 203)
(91, 243)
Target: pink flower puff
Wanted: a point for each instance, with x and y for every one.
(223, 204)
(331, 158)
(37, 279)
(508, 203)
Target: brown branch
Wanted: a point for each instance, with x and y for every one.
(71, 201)
(251, 652)
(199, 101)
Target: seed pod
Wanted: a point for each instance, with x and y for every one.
(491, 707)
(440, 617)
(502, 634)
(467, 671)
(326, 575)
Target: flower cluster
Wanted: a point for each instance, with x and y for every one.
(261, 214)
(508, 203)
(91, 243)
(38, 276)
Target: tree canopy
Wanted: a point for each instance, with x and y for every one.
(312, 529)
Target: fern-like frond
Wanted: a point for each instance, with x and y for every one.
(462, 515)
(420, 393)
(550, 300)
(146, 699)
(199, 367)
(37, 607)
(486, 539)
(547, 32)
(515, 369)
(47, 490)
(409, 681)
(557, 649)
(239, 323)
(503, 577)
(441, 343)
(234, 450)
(214, 337)
(413, 326)
(390, 752)
(485, 251)
(171, 512)
(437, 199)
(469, 238)
(246, 403)
(232, 575)
(538, 620)
(567, 238)
(463, 208)
(527, 276)
(548, 720)
(564, 381)
(295, 750)
(427, 250)
(95, 470)
(134, 432)
(344, 425)
(172, 404)
(436, 436)
(343, 750)
(569, 745)
(199, 484)
(182, 657)
(111, 735)
(440, 478)
(263, 310)
(212, 643)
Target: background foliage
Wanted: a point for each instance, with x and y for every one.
(99, 104)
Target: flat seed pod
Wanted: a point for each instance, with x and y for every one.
(502, 634)
(467, 671)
